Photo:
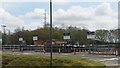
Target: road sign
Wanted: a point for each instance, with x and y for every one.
(0, 40)
(90, 35)
(35, 38)
(20, 39)
(66, 36)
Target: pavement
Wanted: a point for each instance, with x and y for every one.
(108, 60)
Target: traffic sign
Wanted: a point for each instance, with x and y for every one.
(20, 39)
(35, 38)
(0, 40)
(90, 35)
(66, 36)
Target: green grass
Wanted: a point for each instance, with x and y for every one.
(24, 60)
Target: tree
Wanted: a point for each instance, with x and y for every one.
(102, 35)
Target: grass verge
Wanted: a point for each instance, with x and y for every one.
(25, 61)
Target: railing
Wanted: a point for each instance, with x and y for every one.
(66, 49)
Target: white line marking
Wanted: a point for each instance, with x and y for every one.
(110, 59)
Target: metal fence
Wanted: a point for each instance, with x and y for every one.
(96, 49)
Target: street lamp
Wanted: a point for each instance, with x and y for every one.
(3, 28)
(4, 37)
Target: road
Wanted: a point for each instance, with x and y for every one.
(105, 59)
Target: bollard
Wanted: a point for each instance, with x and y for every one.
(22, 49)
(59, 50)
(44, 51)
(74, 51)
(116, 53)
(13, 50)
(3, 49)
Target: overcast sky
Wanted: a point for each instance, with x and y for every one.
(90, 15)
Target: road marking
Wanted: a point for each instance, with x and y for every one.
(65, 54)
(27, 53)
(83, 55)
(110, 59)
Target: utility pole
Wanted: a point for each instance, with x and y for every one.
(51, 33)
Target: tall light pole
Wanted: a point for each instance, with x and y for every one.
(50, 32)
(4, 39)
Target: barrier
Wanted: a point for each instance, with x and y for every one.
(64, 49)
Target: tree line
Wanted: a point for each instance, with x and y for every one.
(77, 35)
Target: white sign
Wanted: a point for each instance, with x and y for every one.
(35, 38)
(20, 39)
(66, 37)
(90, 36)
(0, 40)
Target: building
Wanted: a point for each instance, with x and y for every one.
(47, 42)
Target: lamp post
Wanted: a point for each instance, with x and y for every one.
(50, 32)
(1, 40)
(4, 33)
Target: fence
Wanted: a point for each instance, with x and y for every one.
(98, 49)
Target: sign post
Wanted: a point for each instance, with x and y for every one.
(91, 35)
(35, 38)
(66, 36)
(21, 41)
